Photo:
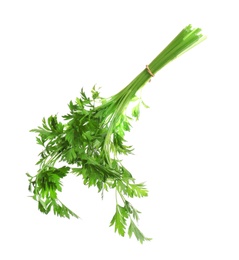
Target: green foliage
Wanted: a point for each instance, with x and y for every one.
(125, 215)
(44, 187)
(119, 219)
(133, 229)
(80, 142)
(91, 138)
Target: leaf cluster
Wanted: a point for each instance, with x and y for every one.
(125, 217)
(88, 142)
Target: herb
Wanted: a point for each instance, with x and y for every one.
(91, 140)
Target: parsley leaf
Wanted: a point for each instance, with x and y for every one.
(133, 229)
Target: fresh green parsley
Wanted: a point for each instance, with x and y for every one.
(90, 140)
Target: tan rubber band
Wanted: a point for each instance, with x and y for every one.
(149, 71)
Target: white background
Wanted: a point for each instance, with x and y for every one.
(186, 143)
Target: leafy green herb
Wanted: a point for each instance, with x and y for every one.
(90, 140)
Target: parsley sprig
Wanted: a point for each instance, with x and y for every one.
(91, 139)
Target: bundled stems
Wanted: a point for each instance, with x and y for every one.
(117, 104)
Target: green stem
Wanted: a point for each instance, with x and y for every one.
(117, 104)
(184, 41)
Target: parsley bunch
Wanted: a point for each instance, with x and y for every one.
(90, 140)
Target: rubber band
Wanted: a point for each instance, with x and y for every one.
(149, 71)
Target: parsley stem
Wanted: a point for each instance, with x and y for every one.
(118, 103)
